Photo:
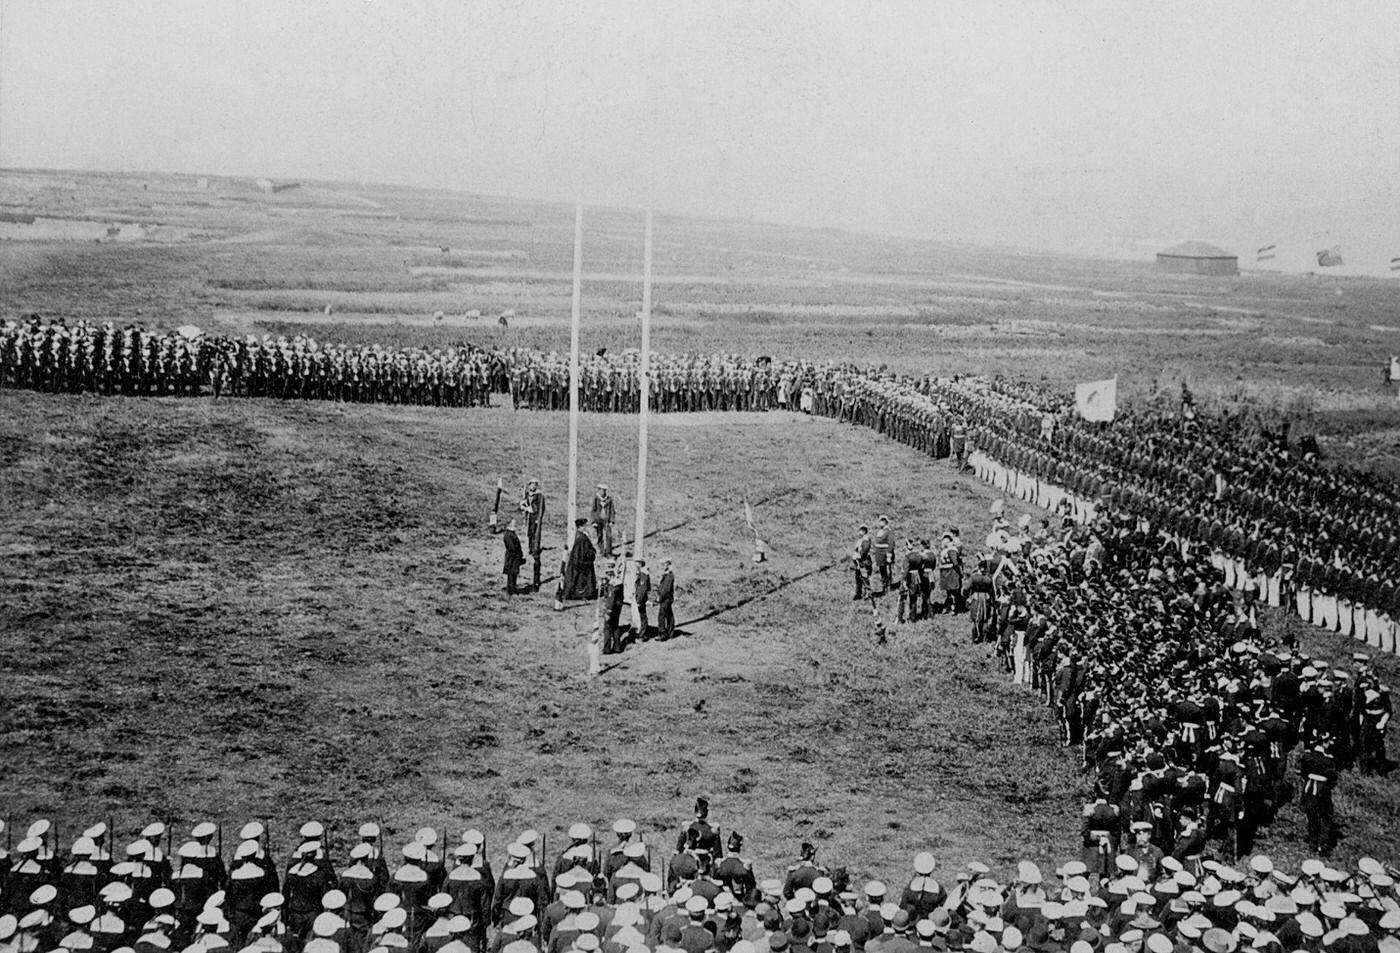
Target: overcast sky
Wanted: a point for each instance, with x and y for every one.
(1103, 127)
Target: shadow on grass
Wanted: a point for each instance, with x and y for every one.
(771, 590)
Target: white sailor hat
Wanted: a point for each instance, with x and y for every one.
(95, 831)
(426, 836)
(271, 901)
(580, 831)
(624, 825)
(251, 831)
(326, 924)
(152, 831)
(39, 828)
(385, 902)
(312, 830)
(203, 829)
(521, 906)
(333, 900)
(82, 915)
(369, 829)
(473, 836)
(160, 898)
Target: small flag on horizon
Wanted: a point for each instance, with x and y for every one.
(1328, 258)
(1097, 400)
(1266, 253)
(1395, 263)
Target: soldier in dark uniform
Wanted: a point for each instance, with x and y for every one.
(736, 873)
(665, 602)
(804, 872)
(1317, 775)
(514, 558)
(706, 838)
(861, 562)
(533, 506)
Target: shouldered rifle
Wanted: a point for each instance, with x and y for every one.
(496, 507)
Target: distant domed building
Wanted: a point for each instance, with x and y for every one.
(1198, 258)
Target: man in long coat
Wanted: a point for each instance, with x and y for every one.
(515, 557)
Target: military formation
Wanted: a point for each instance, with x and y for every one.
(439, 892)
(83, 357)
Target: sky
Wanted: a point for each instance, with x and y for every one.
(1110, 128)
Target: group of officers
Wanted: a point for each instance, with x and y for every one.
(441, 894)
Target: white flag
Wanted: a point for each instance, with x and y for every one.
(1097, 400)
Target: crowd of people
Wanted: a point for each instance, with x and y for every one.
(1143, 636)
(439, 893)
(1138, 617)
(86, 357)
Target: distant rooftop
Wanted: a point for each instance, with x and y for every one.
(1196, 250)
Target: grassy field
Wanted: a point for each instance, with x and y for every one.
(294, 610)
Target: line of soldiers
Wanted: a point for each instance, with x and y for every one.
(84, 357)
(447, 899)
(611, 383)
(1187, 716)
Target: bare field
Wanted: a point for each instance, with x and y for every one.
(260, 608)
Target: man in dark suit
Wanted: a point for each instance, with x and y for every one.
(515, 557)
(665, 597)
(643, 592)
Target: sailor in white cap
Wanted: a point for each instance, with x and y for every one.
(80, 937)
(519, 881)
(211, 854)
(470, 891)
(31, 869)
(923, 894)
(410, 883)
(80, 875)
(624, 828)
(579, 853)
(308, 877)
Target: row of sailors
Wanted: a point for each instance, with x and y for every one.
(1156, 904)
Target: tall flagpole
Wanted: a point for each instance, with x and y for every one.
(645, 375)
(573, 373)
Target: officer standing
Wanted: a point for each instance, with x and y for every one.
(515, 557)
